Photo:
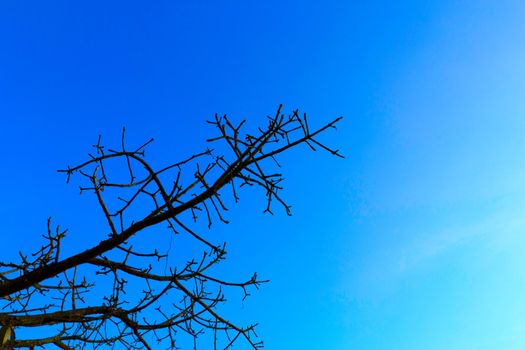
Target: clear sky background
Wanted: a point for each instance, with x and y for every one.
(414, 241)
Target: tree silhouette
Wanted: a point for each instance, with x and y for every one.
(115, 294)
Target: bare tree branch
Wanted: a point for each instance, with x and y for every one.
(114, 294)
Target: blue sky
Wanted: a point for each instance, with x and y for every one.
(414, 241)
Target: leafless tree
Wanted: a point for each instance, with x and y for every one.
(116, 295)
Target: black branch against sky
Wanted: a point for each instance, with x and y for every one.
(115, 294)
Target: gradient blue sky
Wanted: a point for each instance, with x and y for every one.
(414, 241)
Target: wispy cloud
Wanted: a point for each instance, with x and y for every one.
(380, 271)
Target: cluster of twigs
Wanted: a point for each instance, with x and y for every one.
(113, 294)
